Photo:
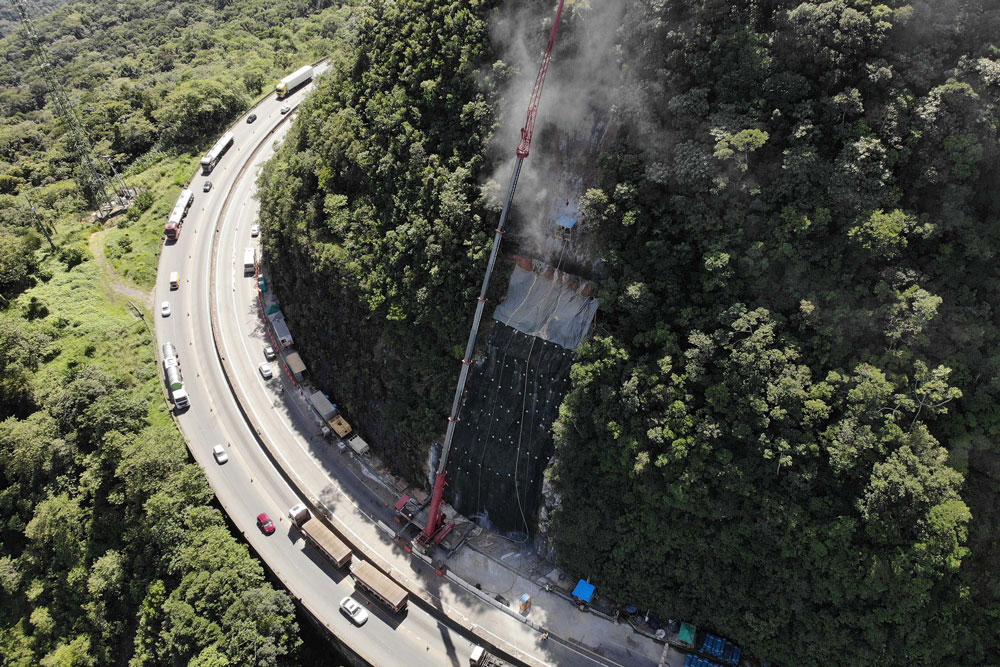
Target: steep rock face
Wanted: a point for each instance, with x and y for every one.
(372, 223)
(504, 439)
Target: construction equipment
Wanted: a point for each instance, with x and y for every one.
(436, 527)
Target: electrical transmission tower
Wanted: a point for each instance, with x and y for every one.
(95, 183)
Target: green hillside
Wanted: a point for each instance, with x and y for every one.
(372, 221)
(783, 428)
(111, 552)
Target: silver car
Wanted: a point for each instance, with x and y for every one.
(265, 370)
(354, 611)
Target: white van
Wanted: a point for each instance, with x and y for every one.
(175, 280)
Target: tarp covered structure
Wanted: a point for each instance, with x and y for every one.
(549, 304)
(687, 633)
(584, 590)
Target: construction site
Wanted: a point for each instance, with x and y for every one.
(490, 469)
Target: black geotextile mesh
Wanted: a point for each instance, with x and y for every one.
(504, 439)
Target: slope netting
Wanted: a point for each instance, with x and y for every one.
(504, 440)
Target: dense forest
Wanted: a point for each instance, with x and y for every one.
(787, 427)
(782, 425)
(111, 551)
(372, 219)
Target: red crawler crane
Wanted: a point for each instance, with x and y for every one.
(436, 528)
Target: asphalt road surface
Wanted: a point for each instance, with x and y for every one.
(248, 484)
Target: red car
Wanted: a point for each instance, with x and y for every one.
(264, 523)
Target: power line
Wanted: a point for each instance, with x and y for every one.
(42, 227)
(95, 184)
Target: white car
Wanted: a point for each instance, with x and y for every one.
(285, 109)
(354, 611)
(219, 452)
(165, 309)
(254, 230)
(265, 370)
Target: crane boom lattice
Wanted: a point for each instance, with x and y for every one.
(435, 530)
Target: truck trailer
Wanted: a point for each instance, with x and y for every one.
(249, 261)
(218, 150)
(329, 412)
(379, 586)
(297, 78)
(173, 227)
(321, 537)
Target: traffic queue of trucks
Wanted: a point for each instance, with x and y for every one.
(173, 227)
(366, 576)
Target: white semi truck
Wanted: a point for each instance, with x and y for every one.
(297, 78)
(218, 150)
(173, 227)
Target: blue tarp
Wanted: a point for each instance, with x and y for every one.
(566, 221)
(584, 590)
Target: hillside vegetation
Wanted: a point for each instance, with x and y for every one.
(371, 219)
(784, 426)
(788, 432)
(110, 549)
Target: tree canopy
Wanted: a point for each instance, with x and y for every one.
(781, 427)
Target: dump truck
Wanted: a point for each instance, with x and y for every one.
(379, 586)
(320, 536)
(297, 78)
(329, 412)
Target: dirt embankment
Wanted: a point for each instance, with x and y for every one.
(116, 282)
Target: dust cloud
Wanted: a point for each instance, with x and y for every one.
(576, 109)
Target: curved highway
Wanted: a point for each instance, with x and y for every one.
(248, 484)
